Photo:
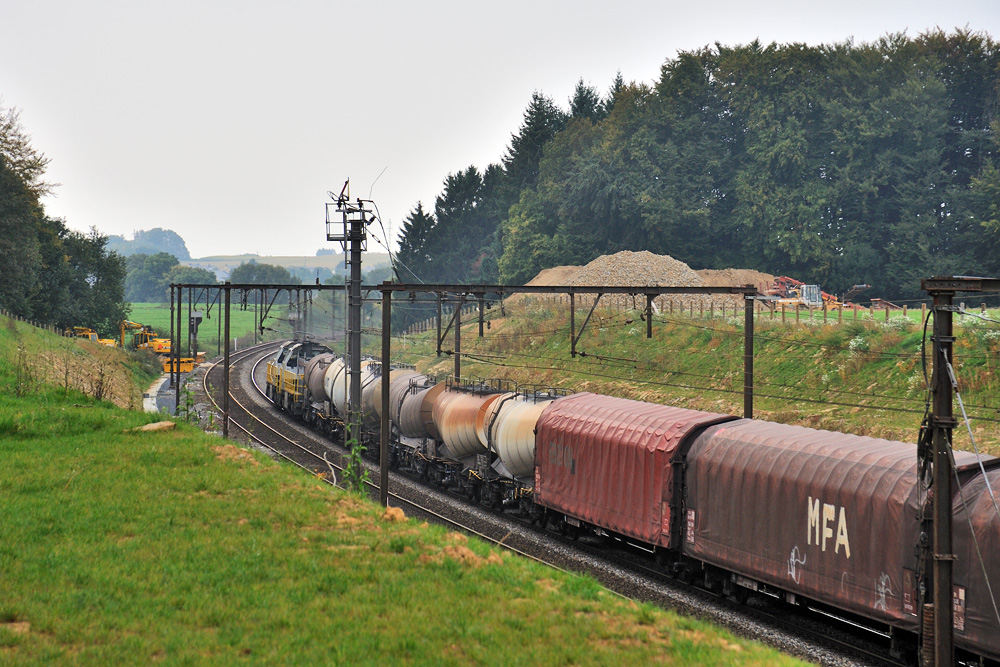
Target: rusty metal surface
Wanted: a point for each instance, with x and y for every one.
(828, 515)
(454, 414)
(607, 460)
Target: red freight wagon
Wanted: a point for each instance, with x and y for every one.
(607, 461)
(976, 573)
(826, 515)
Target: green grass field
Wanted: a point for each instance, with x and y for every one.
(157, 315)
(119, 547)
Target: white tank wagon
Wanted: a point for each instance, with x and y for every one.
(395, 375)
(336, 387)
(511, 433)
(314, 372)
(415, 399)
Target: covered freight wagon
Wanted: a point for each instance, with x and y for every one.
(830, 516)
(976, 573)
(607, 461)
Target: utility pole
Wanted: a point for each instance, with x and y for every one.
(350, 232)
(175, 350)
(225, 379)
(934, 456)
(383, 483)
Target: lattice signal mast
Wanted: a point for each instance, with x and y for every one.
(346, 223)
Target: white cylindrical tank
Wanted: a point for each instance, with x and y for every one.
(371, 393)
(315, 372)
(513, 434)
(415, 419)
(401, 385)
(395, 375)
(335, 383)
(487, 413)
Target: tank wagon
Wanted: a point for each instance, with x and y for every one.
(809, 517)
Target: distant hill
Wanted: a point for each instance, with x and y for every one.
(150, 242)
(300, 265)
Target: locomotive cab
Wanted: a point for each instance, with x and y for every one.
(286, 374)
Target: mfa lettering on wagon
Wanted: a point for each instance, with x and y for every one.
(562, 455)
(820, 526)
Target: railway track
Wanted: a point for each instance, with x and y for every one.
(618, 569)
(306, 450)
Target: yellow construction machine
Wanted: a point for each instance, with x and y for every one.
(144, 337)
(82, 332)
(90, 334)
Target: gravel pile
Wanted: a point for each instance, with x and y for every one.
(637, 268)
(644, 268)
(641, 269)
(762, 281)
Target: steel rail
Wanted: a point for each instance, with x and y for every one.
(372, 487)
(614, 560)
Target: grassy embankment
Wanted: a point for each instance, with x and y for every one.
(862, 376)
(124, 548)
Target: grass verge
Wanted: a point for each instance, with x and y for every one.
(157, 315)
(119, 547)
(865, 377)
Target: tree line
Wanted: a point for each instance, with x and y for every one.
(836, 164)
(50, 273)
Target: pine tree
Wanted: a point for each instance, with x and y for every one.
(542, 120)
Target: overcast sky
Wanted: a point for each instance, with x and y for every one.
(228, 121)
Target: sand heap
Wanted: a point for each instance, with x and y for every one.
(723, 277)
(637, 268)
(644, 268)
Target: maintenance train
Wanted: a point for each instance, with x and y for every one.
(805, 516)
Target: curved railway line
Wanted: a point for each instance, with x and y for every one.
(617, 568)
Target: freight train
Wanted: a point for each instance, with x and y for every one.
(744, 506)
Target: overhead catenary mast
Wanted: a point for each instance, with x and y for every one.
(346, 223)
